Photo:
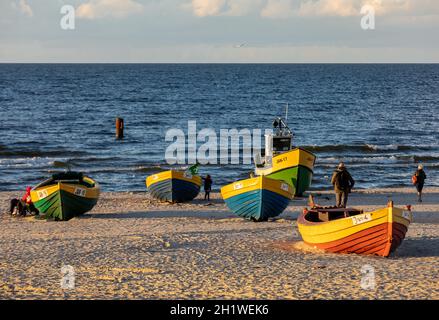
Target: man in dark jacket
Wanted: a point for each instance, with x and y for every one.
(343, 184)
(420, 179)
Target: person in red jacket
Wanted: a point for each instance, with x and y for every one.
(27, 198)
(23, 206)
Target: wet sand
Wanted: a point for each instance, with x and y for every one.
(132, 247)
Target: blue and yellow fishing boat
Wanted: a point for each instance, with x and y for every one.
(174, 186)
(257, 198)
(65, 195)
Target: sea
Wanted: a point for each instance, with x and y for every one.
(382, 120)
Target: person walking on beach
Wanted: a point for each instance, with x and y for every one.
(207, 187)
(343, 184)
(418, 180)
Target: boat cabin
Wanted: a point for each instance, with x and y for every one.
(281, 144)
(280, 141)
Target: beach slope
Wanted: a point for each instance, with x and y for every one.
(132, 247)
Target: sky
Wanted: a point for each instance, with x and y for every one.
(220, 31)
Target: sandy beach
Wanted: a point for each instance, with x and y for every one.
(132, 247)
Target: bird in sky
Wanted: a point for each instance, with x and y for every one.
(240, 45)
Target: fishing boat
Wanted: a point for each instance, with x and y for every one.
(65, 195)
(257, 198)
(174, 186)
(284, 162)
(340, 230)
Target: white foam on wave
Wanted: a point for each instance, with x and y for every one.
(372, 159)
(36, 162)
(389, 147)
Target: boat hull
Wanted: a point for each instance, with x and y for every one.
(258, 198)
(173, 186)
(375, 233)
(64, 201)
(295, 167)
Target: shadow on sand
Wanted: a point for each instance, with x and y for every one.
(164, 214)
(418, 247)
(201, 201)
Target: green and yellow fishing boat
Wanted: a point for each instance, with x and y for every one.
(293, 165)
(65, 195)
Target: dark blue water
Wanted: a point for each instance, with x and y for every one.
(382, 120)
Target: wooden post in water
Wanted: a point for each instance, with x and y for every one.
(119, 128)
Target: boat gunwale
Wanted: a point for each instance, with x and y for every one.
(259, 170)
(302, 218)
(193, 180)
(261, 184)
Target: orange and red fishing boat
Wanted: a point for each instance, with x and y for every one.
(347, 230)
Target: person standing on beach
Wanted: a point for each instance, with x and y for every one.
(207, 187)
(343, 184)
(418, 180)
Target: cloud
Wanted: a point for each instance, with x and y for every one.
(23, 7)
(243, 7)
(278, 9)
(349, 8)
(204, 8)
(343, 8)
(281, 9)
(96, 9)
(346, 8)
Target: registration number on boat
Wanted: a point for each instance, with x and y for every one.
(237, 186)
(80, 192)
(42, 194)
(362, 218)
(407, 215)
(282, 160)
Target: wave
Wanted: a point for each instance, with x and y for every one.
(94, 159)
(389, 147)
(425, 158)
(405, 159)
(39, 153)
(150, 169)
(336, 160)
(364, 148)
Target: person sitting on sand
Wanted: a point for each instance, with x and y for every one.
(343, 184)
(418, 180)
(207, 187)
(23, 206)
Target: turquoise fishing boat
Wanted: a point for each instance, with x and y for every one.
(258, 198)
